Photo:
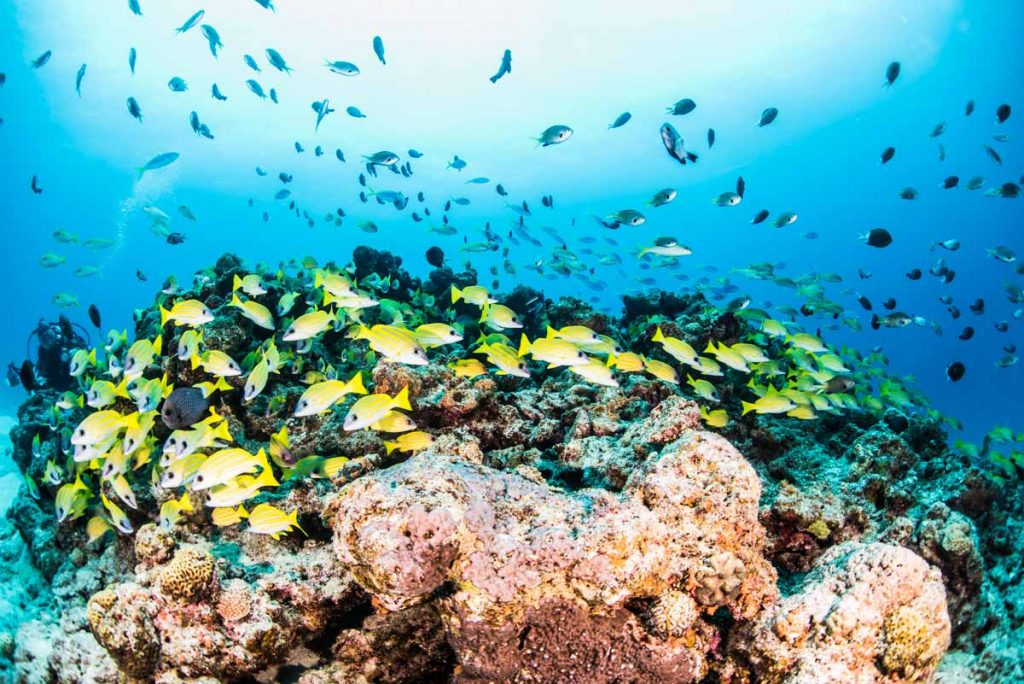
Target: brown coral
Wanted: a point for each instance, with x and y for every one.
(153, 545)
(235, 602)
(120, 620)
(672, 614)
(910, 646)
(188, 575)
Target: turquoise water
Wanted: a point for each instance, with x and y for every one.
(576, 64)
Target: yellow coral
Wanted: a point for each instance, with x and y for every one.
(98, 605)
(819, 528)
(188, 574)
(908, 643)
(235, 601)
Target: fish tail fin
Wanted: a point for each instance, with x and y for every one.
(710, 349)
(390, 446)
(293, 518)
(241, 512)
(456, 292)
(121, 390)
(164, 315)
(195, 361)
(158, 344)
(747, 407)
(185, 503)
(355, 385)
(222, 432)
(484, 310)
(261, 460)
(266, 479)
(235, 301)
(524, 345)
(551, 333)
(659, 336)
(236, 283)
(401, 400)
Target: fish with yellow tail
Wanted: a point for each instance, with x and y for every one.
(678, 349)
(254, 311)
(372, 408)
(323, 395)
(556, 352)
(190, 312)
(266, 519)
(771, 402)
(410, 442)
(171, 511)
(224, 465)
(473, 294)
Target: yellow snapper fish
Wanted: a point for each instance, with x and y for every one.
(103, 393)
(124, 491)
(307, 326)
(182, 471)
(266, 519)
(577, 334)
(833, 363)
(802, 412)
(350, 304)
(287, 302)
(678, 349)
(627, 362)
(337, 285)
(254, 311)
(410, 442)
(505, 359)
(332, 466)
(211, 432)
(772, 402)
(98, 427)
(117, 516)
(751, 353)
(474, 294)
(140, 355)
(84, 453)
(81, 359)
(372, 408)
(148, 393)
(208, 388)
(96, 528)
(170, 511)
(468, 368)
(555, 352)
(226, 517)
(774, 328)
(323, 395)
(393, 421)
(226, 464)
(241, 489)
(807, 342)
(436, 334)
(604, 346)
(69, 400)
(190, 312)
(256, 380)
(394, 343)
(53, 474)
(249, 284)
(709, 367)
(115, 463)
(704, 389)
(71, 500)
(717, 418)
(220, 364)
(727, 356)
(500, 317)
(597, 372)
(661, 370)
(188, 347)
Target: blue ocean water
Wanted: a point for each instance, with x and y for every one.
(576, 64)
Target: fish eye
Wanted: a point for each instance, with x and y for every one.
(199, 478)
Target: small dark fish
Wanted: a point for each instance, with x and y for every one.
(951, 182)
(36, 188)
(415, 154)
(967, 334)
(500, 189)
(217, 95)
(969, 108)
(94, 315)
(674, 144)
(131, 60)
(78, 80)
(339, 154)
(839, 384)
(954, 312)
(864, 302)
(978, 307)
(42, 59)
(27, 375)
(877, 237)
(1002, 113)
(741, 186)
(864, 274)
(184, 407)
(892, 72)
(1010, 348)
(909, 194)
(175, 238)
(13, 379)
(767, 116)
(942, 153)
(620, 120)
(435, 257)
(3, 79)
(889, 304)
(378, 49)
(887, 154)
(760, 217)
(711, 138)
(682, 107)
(914, 274)
(140, 275)
(956, 371)
(134, 109)
(1002, 326)
(993, 155)
(504, 68)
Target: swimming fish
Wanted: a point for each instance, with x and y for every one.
(554, 135)
(378, 48)
(158, 162)
(620, 120)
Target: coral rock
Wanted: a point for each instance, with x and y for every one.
(120, 620)
(189, 575)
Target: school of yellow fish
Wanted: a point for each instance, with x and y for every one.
(204, 467)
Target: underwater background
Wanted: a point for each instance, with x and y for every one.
(768, 428)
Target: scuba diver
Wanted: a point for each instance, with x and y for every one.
(55, 343)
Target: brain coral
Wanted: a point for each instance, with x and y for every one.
(188, 574)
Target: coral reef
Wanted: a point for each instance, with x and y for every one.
(555, 530)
